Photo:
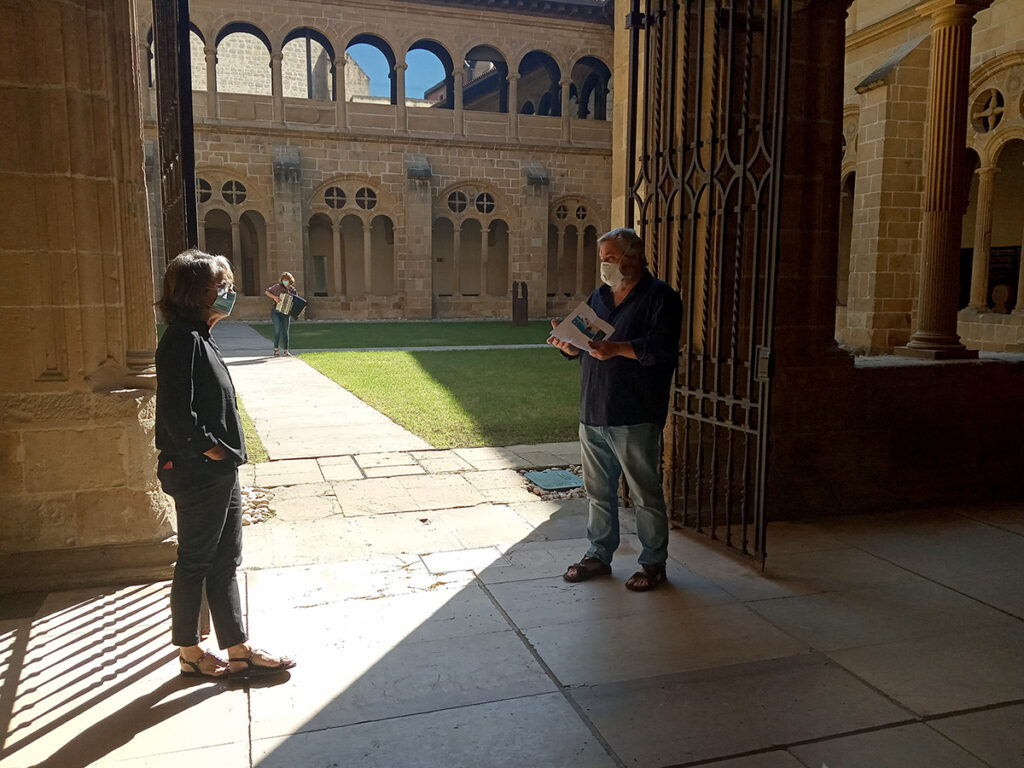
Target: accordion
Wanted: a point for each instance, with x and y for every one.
(291, 305)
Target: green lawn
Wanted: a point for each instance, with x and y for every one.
(410, 334)
(468, 398)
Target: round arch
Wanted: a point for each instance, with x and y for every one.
(307, 65)
(485, 81)
(443, 93)
(386, 50)
(540, 82)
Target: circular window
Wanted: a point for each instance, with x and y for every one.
(335, 197)
(581, 212)
(457, 202)
(485, 202)
(366, 199)
(205, 190)
(561, 212)
(987, 110)
(233, 192)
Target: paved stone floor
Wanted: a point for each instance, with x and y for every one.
(420, 591)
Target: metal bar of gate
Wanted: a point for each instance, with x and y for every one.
(174, 120)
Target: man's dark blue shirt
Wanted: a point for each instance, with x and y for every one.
(621, 390)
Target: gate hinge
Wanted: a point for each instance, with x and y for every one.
(765, 367)
(636, 20)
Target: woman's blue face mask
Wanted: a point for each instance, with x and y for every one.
(225, 300)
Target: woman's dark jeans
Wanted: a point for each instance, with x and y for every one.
(208, 500)
(281, 323)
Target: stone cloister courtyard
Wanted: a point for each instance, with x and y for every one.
(420, 591)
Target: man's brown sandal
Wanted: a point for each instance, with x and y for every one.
(587, 568)
(195, 668)
(646, 579)
(252, 668)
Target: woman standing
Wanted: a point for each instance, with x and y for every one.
(281, 320)
(199, 436)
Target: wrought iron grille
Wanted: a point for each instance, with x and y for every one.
(707, 94)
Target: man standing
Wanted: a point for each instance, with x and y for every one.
(624, 397)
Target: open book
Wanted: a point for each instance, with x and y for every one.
(581, 327)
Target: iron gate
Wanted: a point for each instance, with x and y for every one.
(707, 100)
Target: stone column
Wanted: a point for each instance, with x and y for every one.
(285, 246)
(144, 88)
(367, 259)
(1019, 308)
(579, 261)
(566, 126)
(513, 105)
(936, 336)
(277, 86)
(982, 239)
(485, 228)
(337, 260)
(457, 260)
(212, 110)
(559, 260)
(341, 116)
(459, 78)
(236, 256)
(402, 123)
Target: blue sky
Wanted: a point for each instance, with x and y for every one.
(424, 70)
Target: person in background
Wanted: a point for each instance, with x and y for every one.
(624, 395)
(281, 320)
(201, 444)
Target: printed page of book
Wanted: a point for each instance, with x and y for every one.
(581, 327)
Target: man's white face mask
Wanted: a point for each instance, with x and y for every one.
(611, 275)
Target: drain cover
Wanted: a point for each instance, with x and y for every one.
(555, 479)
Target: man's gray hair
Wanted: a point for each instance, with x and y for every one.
(629, 243)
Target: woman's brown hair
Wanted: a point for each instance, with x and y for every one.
(288, 276)
(187, 281)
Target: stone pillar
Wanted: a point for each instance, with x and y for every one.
(528, 253)
(566, 125)
(402, 123)
(459, 78)
(367, 259)
(513, 105)
(341, 116)
(457, 260)
(78, 489)
(936, 336)
(485, 229)
(277, 86)
(579, 261)
(982, 239)
(144, 88)
(285, 232)
(212, 108)
(236, 257)
(1019, 308)
(414, 253)
(337, 261)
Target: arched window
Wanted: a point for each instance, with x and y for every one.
(539, 77)
(592, 77)
(497, 259)
(429, 75)
(485, 80)
(552, 270)
(353, 255)
(243, 60)
(382, 249)
(307, 68)
(527, 108)
(217, 237)
(376, 60)
(252, 242)
(321, 255)
(443, 253)
(197, 51)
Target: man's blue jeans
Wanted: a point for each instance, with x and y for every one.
(281, 323)
(633, 450)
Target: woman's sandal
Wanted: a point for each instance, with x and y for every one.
(195, 668)
(646, 579)
(252, 668)
(587, 568)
